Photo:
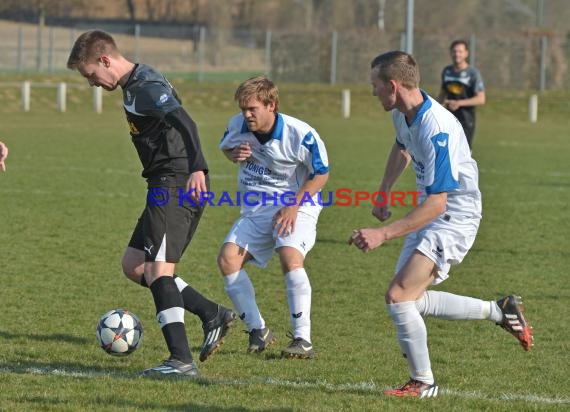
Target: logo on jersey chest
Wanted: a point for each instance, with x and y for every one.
(133, 128)
(419, 167)
(257, 169)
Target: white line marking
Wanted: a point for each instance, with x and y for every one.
(369, 387)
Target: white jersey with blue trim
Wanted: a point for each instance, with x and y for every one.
(277, 169)
(441, 157)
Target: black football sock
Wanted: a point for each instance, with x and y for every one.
(195, 302)
(170, 316)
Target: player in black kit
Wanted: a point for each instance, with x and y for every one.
(167, 142)
(462, 88)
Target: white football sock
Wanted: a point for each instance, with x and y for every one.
(455, 307)
(240, 290)
(299, 299)
(412, 337)
(496, 312)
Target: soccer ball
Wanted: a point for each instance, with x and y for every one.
(119, 332)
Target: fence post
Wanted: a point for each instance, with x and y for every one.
(98, 99)
(20, 56)
(543, 49)
(137, 42)
(201, 52)
(39, 55)
(409, 27)
(26, 86)
(334, 48)
(345, 103)
(539, 13)
(533, 108)
(268, 53)
(472, 49)
(61, 97)
(51, 51)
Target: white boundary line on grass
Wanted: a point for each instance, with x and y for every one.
(366, 387)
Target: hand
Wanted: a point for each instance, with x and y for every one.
(196, 181)
(367, 239)
(241, 152)
(381, 213)
(284, 220)
(3, 156)
(452, 105)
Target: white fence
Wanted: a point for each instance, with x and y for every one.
(62, 87)
(60, 95)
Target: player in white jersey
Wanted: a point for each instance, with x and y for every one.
(439, 231)
(283, 166)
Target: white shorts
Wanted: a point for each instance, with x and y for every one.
(445, 241)
(256, 235)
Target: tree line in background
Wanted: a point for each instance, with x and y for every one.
(439, 16)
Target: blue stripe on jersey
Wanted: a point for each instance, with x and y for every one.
(278, 130)
(310, 143)
(277, 133)
(225, 134)
(443, 180)
(423, 108)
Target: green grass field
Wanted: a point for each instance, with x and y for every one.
(73, 192)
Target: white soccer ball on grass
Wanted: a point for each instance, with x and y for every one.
(119, 332)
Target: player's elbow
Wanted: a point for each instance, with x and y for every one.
(437, 203)
(441, 209)
(323, 179)
(482, 98)
(440, 206)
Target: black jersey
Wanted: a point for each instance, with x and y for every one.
(462, 84)
(165, 136)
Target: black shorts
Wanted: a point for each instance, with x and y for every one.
(467, 120)
(166, 225)
(469, 129)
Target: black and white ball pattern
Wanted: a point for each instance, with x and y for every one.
(119, 332)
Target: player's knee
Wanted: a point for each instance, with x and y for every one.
(130, 270)
(290, 259)
(396, 293)
(133, 264)
(288, 266)
(392, 296)
(227, 263)
(132, 275)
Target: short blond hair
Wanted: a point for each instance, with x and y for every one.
(259, 88)
(397, 65)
